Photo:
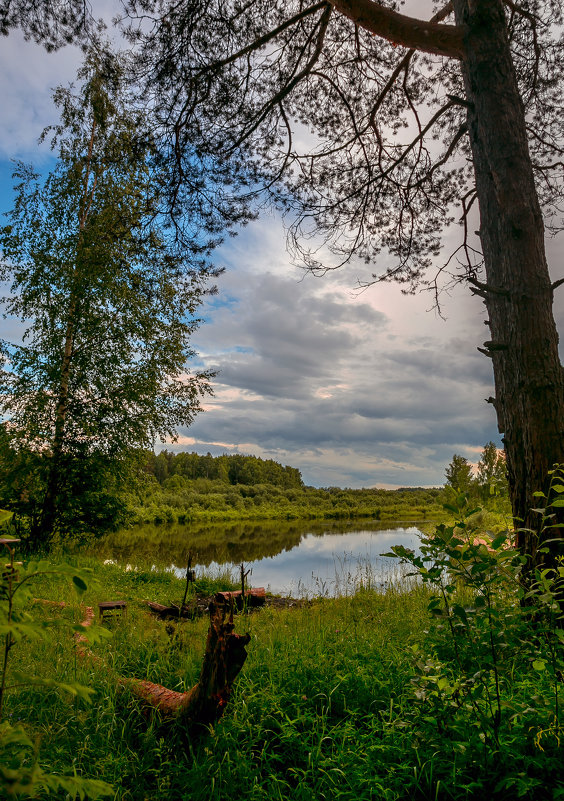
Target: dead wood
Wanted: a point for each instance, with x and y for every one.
(253, 597)
(173, 612)
(204, 704)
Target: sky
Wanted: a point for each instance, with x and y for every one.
(355, 389)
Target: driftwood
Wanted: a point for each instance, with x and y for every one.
(253, 597)
(204, 704)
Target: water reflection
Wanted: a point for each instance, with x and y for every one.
(288, 557)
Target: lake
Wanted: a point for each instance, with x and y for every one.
(295, 558)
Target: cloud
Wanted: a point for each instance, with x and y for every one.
(353, 389)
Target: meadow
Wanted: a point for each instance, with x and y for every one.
(442, 687)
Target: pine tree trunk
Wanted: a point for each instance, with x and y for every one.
(529, 380)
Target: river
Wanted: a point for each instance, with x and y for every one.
(295, 558)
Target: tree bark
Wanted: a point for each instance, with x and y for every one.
(205, 703)
(529, 379)
(427, 36)
(47, 519)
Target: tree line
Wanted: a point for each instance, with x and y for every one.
(230, 469)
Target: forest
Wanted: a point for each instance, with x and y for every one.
(192, 487)
(380, 139)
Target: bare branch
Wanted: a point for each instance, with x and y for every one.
(523, 12)
(483, 289)
(263, 40)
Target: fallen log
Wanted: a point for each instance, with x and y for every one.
(253, 597)
(205, 703)
(174, 612)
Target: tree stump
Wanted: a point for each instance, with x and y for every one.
(205, 703)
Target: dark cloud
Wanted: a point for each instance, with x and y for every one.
(353, 389)
(367, 389)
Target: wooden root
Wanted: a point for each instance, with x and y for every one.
(205, 703)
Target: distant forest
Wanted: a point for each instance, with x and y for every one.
(232, 469)
(186, 487)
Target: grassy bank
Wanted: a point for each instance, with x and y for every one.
(180, 500)
(362, 697)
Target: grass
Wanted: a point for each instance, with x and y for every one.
(328, 705)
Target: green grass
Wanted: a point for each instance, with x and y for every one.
(328, 705)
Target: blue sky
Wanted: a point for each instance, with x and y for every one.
(353, 389)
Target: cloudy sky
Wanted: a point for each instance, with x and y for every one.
(354, 389)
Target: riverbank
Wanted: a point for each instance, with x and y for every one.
(180, 500)
(361, 697)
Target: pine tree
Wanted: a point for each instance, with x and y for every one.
(459, 474)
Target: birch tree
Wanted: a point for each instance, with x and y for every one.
(106, 297)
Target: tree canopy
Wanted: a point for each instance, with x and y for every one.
(374, 131)
(52, 23)
(353, 116)
(106, 295)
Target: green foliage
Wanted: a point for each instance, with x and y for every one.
(489, 484)
(91, 497)
(491, 477)
(459, 473)
(107, 298)
(488, 673)
(361, 697)
(20, 771)
(186, 487)
(230, 469)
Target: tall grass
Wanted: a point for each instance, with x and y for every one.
(328, 705)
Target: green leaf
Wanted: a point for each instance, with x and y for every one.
(5, 516)
(539, 664)
(76, 786)
(72, 688)
(80, 584)
(13, 735)
(499, 541)
(460, 612)
(31, 631)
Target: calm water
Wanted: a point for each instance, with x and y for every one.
(297, 558)
(328, 564)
